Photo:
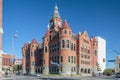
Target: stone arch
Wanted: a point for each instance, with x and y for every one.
(88, 70)
(85, 70)
(81, 70)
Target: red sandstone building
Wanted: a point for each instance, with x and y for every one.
(61, 51)
(7, 61)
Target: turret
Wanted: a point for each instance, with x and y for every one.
(33, 47)
(65, 30)
(46, 40)
(94, 54)
(65, 35)
(24, 58)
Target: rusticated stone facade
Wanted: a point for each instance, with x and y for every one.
(61, 52)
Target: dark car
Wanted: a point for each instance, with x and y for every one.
(118, 75)
(19, 73)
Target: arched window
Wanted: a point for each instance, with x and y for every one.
(74, 47)
(61, 59)
(65, 31)
(88, 70)
(82, 70)
(58, 59)
(71, 46)
(58, 46)
(63, 43)
(95, 52)
(85, 71)
(32, 45)
(68, 58)
(46, 49)
(74, 59)
(67, 43)
(31, 53)
(55, 59)
(74, 68)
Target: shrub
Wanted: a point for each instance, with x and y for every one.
(107, 72)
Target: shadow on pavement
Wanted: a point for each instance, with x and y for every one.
(56, 79)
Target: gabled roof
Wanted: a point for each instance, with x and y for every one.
(34, 41)
(65, 25)
(86, 34)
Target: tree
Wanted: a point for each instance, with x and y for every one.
(15, 68)
(107, 72)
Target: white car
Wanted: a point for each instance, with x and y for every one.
(38, 75)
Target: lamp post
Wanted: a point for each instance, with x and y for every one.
(13, 37)
(13, 57)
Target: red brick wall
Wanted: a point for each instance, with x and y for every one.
(6, 59)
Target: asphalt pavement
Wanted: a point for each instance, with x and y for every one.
(62, 78)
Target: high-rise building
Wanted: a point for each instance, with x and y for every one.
(101, 53)
(61, 52)
(1, 31)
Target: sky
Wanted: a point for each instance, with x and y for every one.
(29, 19)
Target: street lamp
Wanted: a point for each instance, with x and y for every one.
(13, 37)
(13, 57)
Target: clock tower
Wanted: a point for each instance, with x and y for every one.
(55, 22)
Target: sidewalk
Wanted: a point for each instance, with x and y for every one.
(6, 79)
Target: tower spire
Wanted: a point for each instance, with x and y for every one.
(56, 13)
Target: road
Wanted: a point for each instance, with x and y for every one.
(62, 78)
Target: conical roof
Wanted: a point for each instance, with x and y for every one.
(65, 25)
(34, 41)
(56, 13)
(47, 34)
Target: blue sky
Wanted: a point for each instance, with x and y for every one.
(29, 18)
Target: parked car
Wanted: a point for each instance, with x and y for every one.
(38, 75)
(19, 73)
(118, 75)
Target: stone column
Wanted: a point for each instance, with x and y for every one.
(32, 70)
(46, 70)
